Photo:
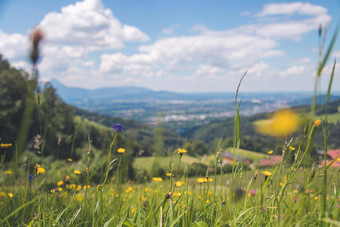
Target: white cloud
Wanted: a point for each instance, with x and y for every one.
(89, 24)
(14, 47)
(292, 8)
(294, 70)
(171, 30)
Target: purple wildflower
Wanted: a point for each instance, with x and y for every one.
(295, 199)
(118, 127)
(252, 192)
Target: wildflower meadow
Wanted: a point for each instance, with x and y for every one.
(94, 189)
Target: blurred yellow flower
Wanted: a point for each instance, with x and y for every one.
(270, 152)
(87, 187)
(40, 170)
(69, 160)
(76, 172)
(177, 194)
(338, 159)
(282, 123)
(121, 150)
(317, 123)
(10, 195)
(157, 179)
(78, 188)
(8, 172)
(60, 183)
(291, 148)
(2, 194)
(60, 189)
(267, 173)
(179, 183)
(133, 210)
(168, 174)
(202, 180)
(181, 151)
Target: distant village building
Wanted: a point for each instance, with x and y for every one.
(228, 158)
(331, 155)
(273, 160)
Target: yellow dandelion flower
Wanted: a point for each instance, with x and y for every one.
(168, 174)
(40, 170)
(79, 187)
(207, 201)
(202, 180)
(121, 150)
(146, 189)
(270, 152)
(181, 151)
(179, 183)
(69, 160)
(10, 195)
(9, 172)
(317, 123)
(60, 189)
(87, 187)
(157, 179)
(267, 173)
(282, 123)
(291, 148)
(60, 183)
(76, 172)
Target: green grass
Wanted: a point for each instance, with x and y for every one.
(332, 118)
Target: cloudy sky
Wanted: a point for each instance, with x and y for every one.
(183, 46)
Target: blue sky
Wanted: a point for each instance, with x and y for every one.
(183, 46)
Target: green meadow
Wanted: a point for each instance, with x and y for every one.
(66, 169)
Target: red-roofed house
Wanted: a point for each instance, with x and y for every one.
(331, 155)
(273, 160)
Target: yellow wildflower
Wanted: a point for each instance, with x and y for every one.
(168, 174)
(267, 173)
(338, 159)
(87, 187)
(133, 210)
(282, 123)
(291, 148)
(76, 172)
(270, 152)
(121, 150)
(78, 188)
(40, 170)
(157, 179)
(60, 183)
(202, 180)
(8, 172)
(2, 194)
(176, 194)
(10, 195)
(210, 180)
(69, 160)
(60, 189)
(179, 183)
(181, 151)
(317, 123)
